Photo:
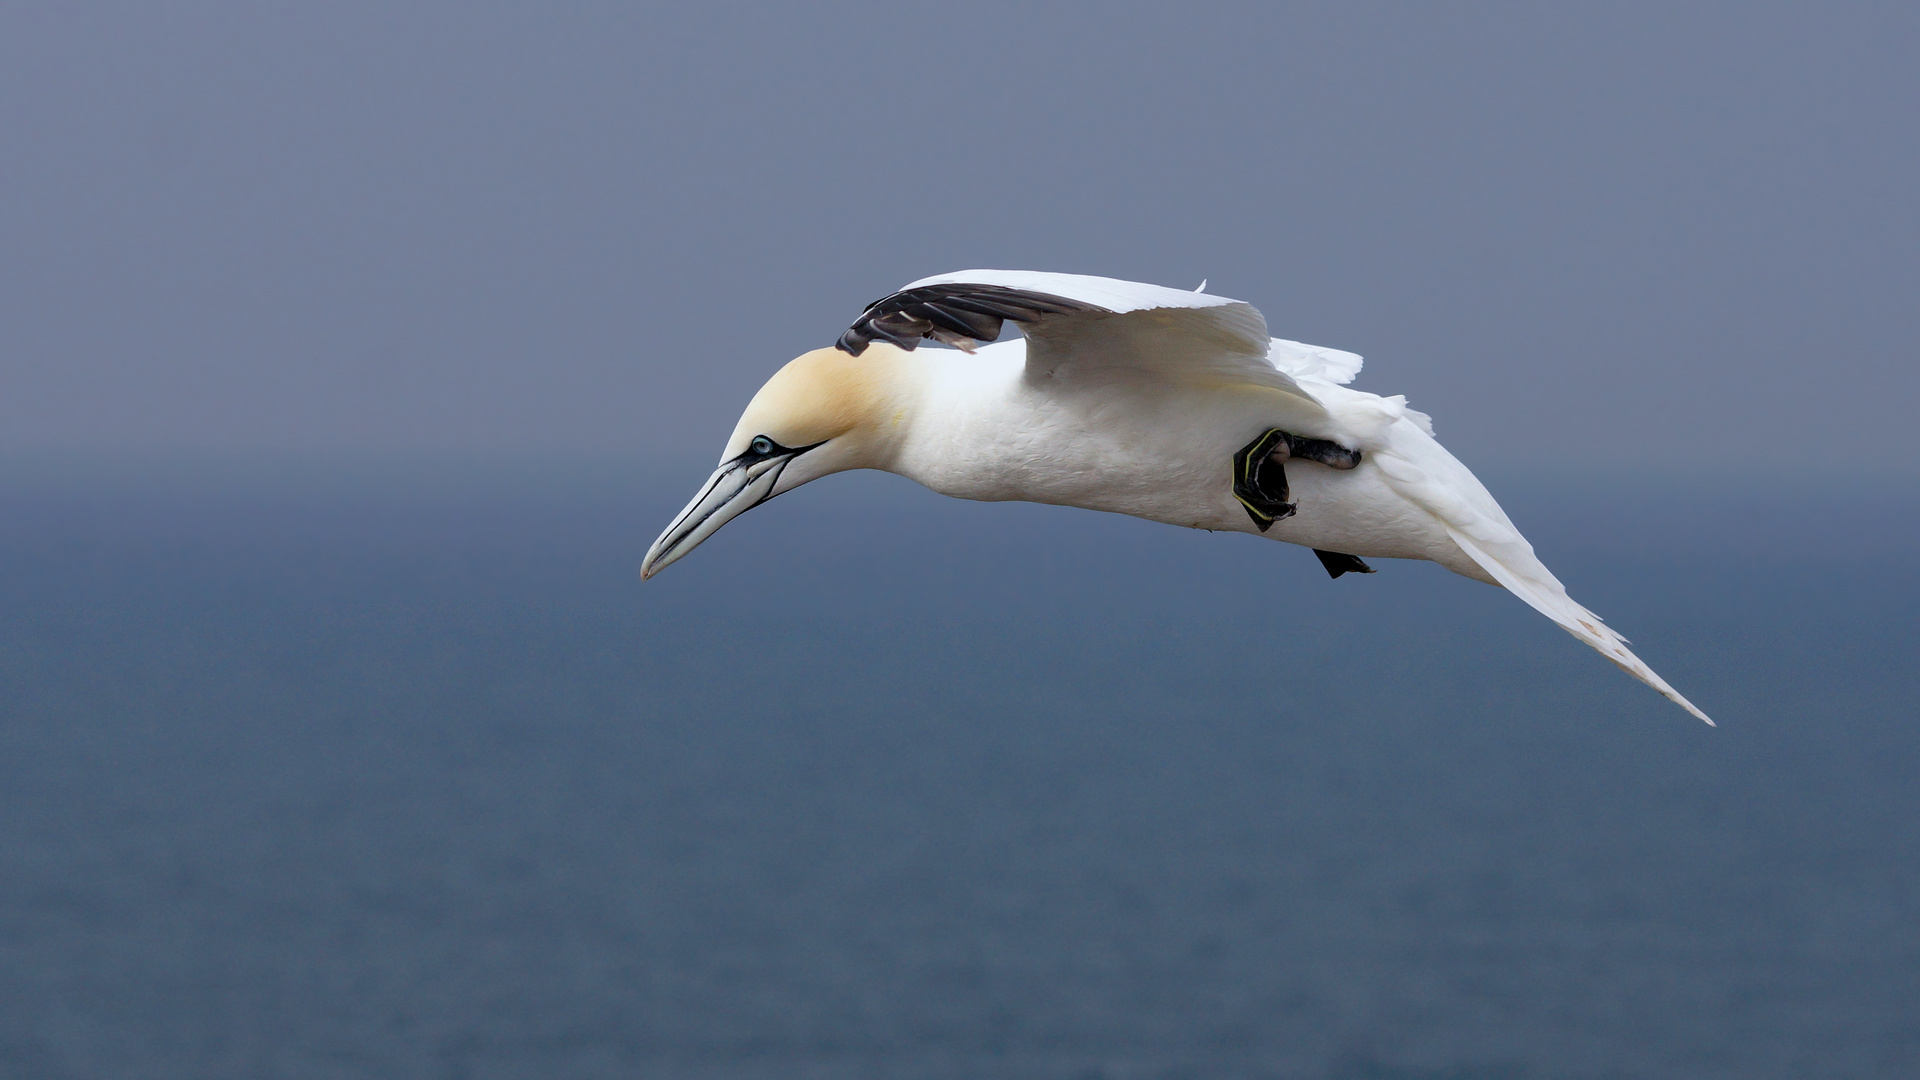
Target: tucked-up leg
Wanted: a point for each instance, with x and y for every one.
(1260, 474)
(1260, 478)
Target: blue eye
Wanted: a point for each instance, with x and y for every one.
(761, 445)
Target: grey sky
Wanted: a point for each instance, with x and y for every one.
(1680, 233)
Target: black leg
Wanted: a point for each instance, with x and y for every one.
(1337, 563)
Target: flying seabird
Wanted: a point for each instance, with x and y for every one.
(1134, 399)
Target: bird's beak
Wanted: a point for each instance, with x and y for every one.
(736, 487)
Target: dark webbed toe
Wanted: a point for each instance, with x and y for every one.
(1328, 453)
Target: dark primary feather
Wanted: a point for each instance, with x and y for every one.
(957, 313)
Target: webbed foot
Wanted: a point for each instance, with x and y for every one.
(1260, 478)
(1260, 474)
(1330, 454)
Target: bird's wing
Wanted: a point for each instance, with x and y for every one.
(1303, 361)
(1091, 323)
(1422, 470)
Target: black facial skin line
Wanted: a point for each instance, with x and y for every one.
(748, 457)
(1260, 483)
(745, 459)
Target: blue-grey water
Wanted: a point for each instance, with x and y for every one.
(351, 776)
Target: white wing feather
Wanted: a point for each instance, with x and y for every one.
(1170, 330)
(1113, 294)
(1303, 361)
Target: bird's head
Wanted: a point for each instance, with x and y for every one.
(820, 414)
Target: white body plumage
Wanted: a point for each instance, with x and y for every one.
(982, 429)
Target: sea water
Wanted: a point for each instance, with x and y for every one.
(315, 775)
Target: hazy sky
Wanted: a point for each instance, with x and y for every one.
(1660, 232)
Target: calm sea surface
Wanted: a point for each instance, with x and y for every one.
(411, 777)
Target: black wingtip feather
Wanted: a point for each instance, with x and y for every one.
(952, 313)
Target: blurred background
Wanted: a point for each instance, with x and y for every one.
(351, 356)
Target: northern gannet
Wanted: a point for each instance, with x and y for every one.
(1134, 399)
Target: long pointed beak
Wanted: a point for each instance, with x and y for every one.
(735, 488)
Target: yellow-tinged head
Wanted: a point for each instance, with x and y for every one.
(818, 415)
(822, 395)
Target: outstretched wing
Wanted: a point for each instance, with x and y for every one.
(1089, 322)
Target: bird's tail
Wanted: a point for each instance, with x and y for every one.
(1420, 469)
(1550, 598)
